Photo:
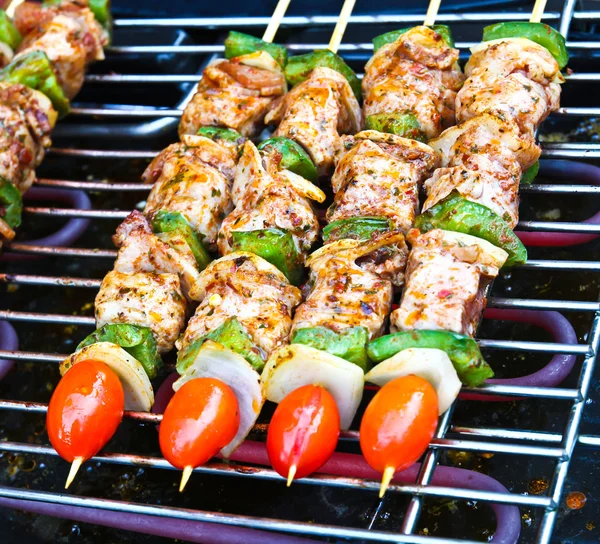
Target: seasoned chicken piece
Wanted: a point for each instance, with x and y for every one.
(342, 293)
(515, 78)
(234, 95)
(447, 275)
(490, 155)
(418, 74)
(380, 176)
(31, 16)
(247, 287)
(265, 198)
(188, 180)
(27, 119)
(315, 113)
(146, 299)
(142, 251)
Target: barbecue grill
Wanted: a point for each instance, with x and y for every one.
(90, 181)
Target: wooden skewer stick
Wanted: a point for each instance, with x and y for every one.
(275, 21)
(538, 11)
(340, 27)
(432, 11)
(12, 6)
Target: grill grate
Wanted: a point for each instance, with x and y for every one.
(150, 122)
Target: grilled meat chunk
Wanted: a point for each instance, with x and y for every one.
(247, 287)
(194, 181)
(142, 251)
(447, 274)
(485, 158)
(418, 74)
(265, 198)
(514, 78)
(68, 34)
(232, 94)
(315, 113)
(27, 119)
(342, 294)
(380, 176)
(143, 298)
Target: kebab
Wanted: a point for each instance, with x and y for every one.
(143, 302)
(238, 91)
(323, 103)
(353, 277)
(464, 235)
(246, 303)
(44, 51)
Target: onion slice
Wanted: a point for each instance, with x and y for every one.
(432, 365)
(139, 395)
(216, 361)
(297, 365)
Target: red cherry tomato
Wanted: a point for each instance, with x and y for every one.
(85, 410)
(399, 423)
(303, 432)
(201, 418)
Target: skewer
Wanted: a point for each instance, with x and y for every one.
(275, 21)
(185, 476)
(538, 11)
(432, 11)
(12, 7)
(77, 462)
(340, 27)
(291, 475)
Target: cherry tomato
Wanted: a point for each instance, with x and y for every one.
(85, 410)
(201, 418)
(398, 425)
(303, 432)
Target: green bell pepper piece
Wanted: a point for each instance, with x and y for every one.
(357, 228)
(276, 246)
(11, 203)
(293, 156)
(218, 133)
(403, 124)
(350, 344)
(8, 32)
(542, 34)
(166, 221)
(238, 44)
(35, 70)
(462, 350)
(136, 340)
(232, 335)
(530, 174)
(390, 37)
(458, 214)
(299, 67)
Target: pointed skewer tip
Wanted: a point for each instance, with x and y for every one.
(187, 472)
(77, 462)
(388, 474)
(291, 474)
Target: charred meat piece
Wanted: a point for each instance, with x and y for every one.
(234, 95)
(195, 181)
(244, 286)
(315, 114)
(417, 74)
(446, 278)
(146, 299)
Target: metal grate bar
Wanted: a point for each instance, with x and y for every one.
(142, 187)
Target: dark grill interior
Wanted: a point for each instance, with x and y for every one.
(126, 113)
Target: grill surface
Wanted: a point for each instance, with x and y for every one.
(103, 148)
